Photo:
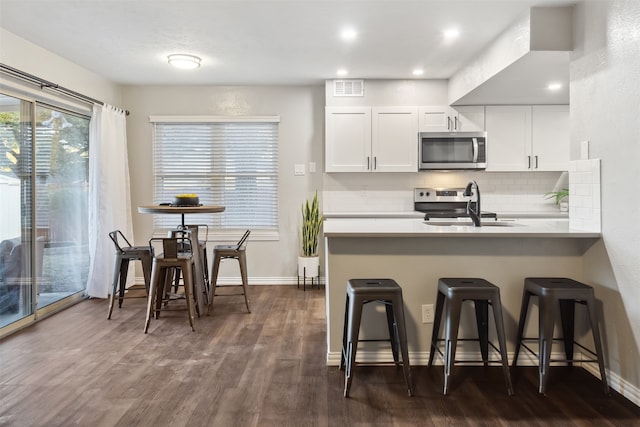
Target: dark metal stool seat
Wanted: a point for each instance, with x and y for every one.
(124, 254)
(363, 291)
(551, 292)
(238, 252)
(483, 293)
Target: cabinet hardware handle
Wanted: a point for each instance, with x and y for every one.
(448, 123)
(455, 126)
(375, 162)
(536, 161)
(368, 163)
(529, 162)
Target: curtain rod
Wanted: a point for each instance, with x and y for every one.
(45, 84)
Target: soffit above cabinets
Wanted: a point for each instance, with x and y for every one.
(525, 82)
(519, 65)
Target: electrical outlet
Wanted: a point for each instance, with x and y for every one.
(427, 313)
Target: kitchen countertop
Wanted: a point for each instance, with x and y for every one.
(416, 227)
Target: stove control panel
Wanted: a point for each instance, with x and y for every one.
(439, 195)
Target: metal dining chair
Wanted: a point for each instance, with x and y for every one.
(125, 253)
(238, 252)
(176, 254)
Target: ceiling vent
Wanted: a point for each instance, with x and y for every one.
(348, 88)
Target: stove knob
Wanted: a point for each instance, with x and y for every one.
(421, 193)
(428, 194)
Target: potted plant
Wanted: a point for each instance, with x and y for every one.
(560, 197)
(308, 262)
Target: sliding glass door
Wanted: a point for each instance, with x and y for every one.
(44, 159)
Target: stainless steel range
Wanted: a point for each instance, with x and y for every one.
(444, 203)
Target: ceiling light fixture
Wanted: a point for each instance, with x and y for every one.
(184, 61)
(342, 72)
(554, 86)
(348, 34)
(451, 33)
(418, 72)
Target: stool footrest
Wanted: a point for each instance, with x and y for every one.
(492, 345)
(588, 350)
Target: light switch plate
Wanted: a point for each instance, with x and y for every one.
(299, 169)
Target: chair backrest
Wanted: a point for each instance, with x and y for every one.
(170, 247)
(243, 239)
(116, 236)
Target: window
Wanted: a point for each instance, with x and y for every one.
(231, 162)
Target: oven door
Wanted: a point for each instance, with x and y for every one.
(461, 150)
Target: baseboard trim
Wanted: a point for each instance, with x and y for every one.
(629, 391)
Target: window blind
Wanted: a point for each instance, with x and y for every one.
(233, 163)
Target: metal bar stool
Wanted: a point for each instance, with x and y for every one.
(483, 293)
(359, 293)
(125, 253)
(237, 251)
(201, 277)
(551, 292)
(164, 265)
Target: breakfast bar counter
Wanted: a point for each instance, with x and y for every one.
(416, 255)
(417, 227)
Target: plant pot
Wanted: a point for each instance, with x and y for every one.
(308, 266)
(564, 206)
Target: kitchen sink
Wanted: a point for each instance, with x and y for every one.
(470, 224)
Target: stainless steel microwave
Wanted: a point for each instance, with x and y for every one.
(452, 150)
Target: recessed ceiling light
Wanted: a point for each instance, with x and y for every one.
(184, 61)
(451, 33)
(554, 86)
(418, 72)
(348, 34)
(342, 72)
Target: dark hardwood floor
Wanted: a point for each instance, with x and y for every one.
(266, 368)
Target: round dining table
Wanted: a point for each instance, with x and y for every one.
(181, 210)
(202, 282)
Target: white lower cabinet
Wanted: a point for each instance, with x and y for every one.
(527, 138)
(365, 139)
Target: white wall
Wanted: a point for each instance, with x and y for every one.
(605, 109)
(25, 56)
(301, 111)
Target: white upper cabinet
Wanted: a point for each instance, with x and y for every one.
(442, 118)
(508, 137)
(394, 142)
(527, 138)
(365, 139)
(551, 137)
(347, 139)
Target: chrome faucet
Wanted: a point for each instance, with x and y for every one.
(475, 215)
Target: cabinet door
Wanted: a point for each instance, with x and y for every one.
(435, 118)
(551, 140)
(395, 139)
(508, 138)
(347, 139)
(468, 118)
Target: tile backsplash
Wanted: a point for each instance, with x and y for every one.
(502, 192)
(584, 190)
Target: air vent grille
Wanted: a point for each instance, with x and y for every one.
(348, 88)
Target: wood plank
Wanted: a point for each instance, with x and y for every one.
(259, 369)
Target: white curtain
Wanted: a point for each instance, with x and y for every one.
(109, 197)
